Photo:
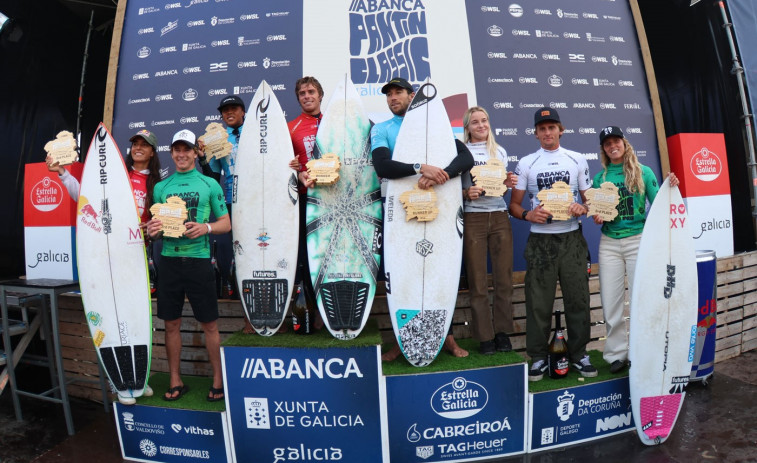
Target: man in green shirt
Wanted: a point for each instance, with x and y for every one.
(184, 266)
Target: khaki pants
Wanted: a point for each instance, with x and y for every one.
(489, 231)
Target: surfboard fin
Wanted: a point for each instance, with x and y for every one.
(344, 303)
(266, 301)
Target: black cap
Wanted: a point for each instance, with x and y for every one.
(610, 131)
(231, 100)
(546, 114)
(397, 82)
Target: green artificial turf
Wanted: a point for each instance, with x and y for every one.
(192, 400)
(575, 379)
(321, 339)
(446, 362)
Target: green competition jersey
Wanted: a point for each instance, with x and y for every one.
(632, 209)
(203, 195)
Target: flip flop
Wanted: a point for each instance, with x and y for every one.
(183, 389)
(214, 392)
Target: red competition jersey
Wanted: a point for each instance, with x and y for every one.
(303, 130)
(139, 185)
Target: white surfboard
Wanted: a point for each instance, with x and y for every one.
(344, 220)
(113, 276)
(265, 215)
(663, 327)
(422, 259)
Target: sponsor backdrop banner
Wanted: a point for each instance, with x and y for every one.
(303, 404)
(457, 416)
(171, 434)
(179, 58)
(564, 417)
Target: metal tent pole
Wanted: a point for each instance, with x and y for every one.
(81, 82)
(738, 71)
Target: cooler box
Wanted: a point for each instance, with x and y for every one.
(49, 223)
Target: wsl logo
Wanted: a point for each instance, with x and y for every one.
(388, 39)
(459, 399)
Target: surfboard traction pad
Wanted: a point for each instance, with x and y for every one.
(421, 334)
(344, 303)
(265, 301)
(658, 415)
(126, 366)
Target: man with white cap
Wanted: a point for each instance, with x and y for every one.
(185, 261)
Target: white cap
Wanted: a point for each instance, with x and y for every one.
(186, 136)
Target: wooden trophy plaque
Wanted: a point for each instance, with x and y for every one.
(603, 201)
(62, 149)
(491, 177)
(420, 204)
(172, 215)
(217, 144)
(325, 170)
(557, 200)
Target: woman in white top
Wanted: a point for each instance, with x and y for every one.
(487, 230)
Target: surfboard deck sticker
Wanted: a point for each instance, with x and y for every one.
(265, 214)
(113, 275)
(663, 317)
(422, 259)
(344, 222)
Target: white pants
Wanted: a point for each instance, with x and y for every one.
(617, 260)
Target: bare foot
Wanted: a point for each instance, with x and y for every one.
(451, 345)
(248, 329)
(391, 354)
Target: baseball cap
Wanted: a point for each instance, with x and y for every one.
(610, 131)
(231, 100)
(186, 136)
(148, 136)
(546, 114)
(397, 82)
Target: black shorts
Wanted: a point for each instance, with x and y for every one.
(191, 277)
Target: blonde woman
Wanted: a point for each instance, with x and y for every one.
(487, 231)
(619, 243)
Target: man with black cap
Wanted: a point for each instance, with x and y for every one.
(232, 111)
(555, 249)
(399, 94)
(184, 266)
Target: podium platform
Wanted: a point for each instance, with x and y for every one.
(313, 398)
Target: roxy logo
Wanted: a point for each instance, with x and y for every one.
(459, 399)
(706, 165)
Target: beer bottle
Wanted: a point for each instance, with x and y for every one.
(152, 271)
(300, 313)
(231, 290)
(557, 353)
(216, 271)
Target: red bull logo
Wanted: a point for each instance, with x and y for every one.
(87, 215)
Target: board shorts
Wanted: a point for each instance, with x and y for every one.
(192, 277)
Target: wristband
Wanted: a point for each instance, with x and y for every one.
(209, 229)
(523, 215)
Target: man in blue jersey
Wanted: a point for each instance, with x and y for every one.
(399, 93)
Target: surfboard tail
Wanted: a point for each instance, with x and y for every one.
(126, 366)
(344, 303)
(265, 303)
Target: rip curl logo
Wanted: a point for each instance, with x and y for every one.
(388, 39)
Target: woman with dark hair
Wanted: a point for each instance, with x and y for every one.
(619, 243)
(487, 231)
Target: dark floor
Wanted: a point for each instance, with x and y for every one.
(717, 425)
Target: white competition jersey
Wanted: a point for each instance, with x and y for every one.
(541, 169)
